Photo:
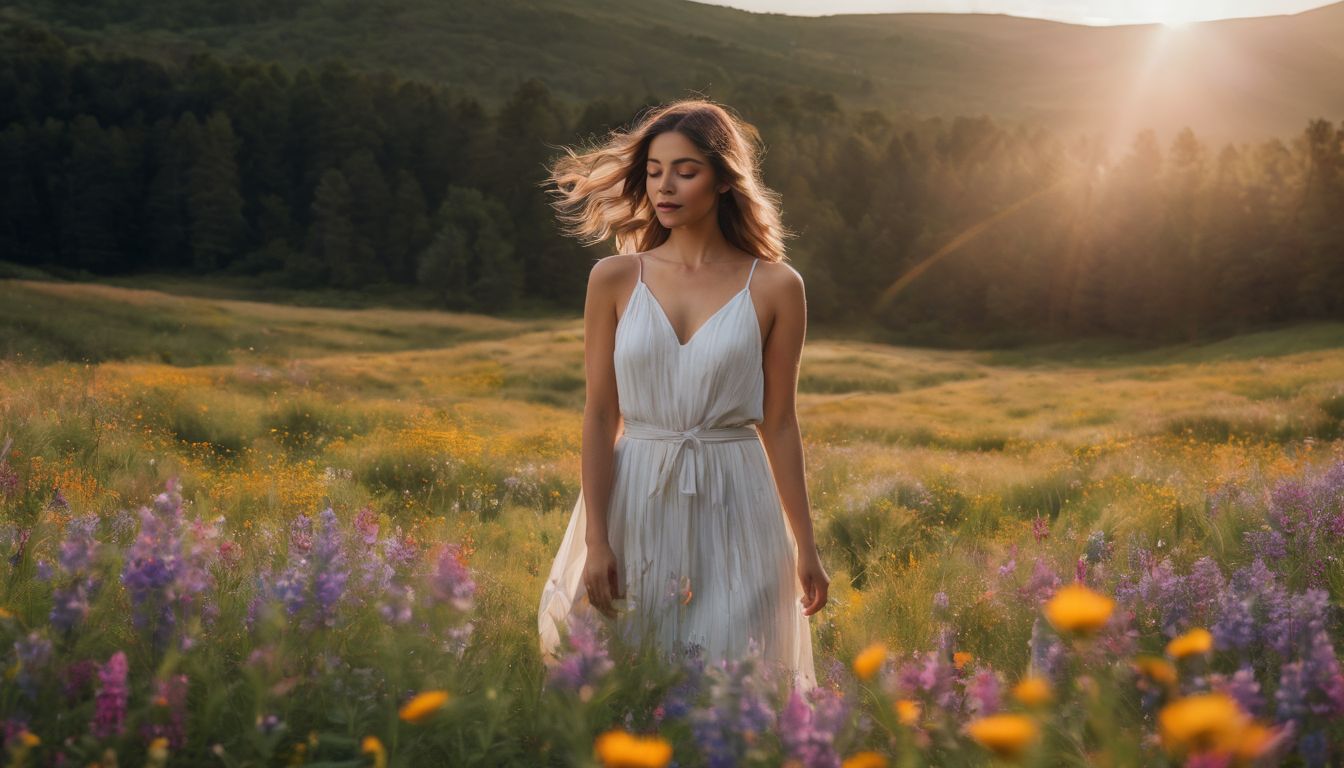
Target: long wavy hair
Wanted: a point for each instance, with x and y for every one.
(600, 189)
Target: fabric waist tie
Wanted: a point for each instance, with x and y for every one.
(688, 446)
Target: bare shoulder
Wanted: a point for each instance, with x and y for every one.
(614, 270)
(611, 277)
(779, 282)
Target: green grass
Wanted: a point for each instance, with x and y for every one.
(925, 468)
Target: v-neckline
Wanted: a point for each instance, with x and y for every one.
(668, 323)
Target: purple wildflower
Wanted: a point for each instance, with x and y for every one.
(585, 659)
(929, 677)
(690, 662)
(70, 600)
(109, 717)
(1040, 528)
(738, 713)
(1268, 544)
(316, 575)
(1295, 621)
(451, 581)
(807, 733)
(366, 526)
(330, 573)
(167, 569)
(1291, 697)
(1174, 603)
(1306, 522)
(1042, 584)
(33, 653)
(77, 678)
(402, 550)
(1243, 687)
(984, 693)
(80, 545)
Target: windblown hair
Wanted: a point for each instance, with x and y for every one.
(600, 190)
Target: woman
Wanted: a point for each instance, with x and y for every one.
(692, 458)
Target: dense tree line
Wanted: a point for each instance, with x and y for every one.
(330, 177)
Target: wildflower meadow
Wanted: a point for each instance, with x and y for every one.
(321, 538)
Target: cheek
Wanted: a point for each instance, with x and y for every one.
(703, 188)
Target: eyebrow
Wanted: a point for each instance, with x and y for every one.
(678, 160)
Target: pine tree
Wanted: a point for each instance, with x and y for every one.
(470, 264)
(331, 237)
(214, 204)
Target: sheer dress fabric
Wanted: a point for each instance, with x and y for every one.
(704, 552)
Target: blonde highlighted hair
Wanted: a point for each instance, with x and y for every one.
(600, 189)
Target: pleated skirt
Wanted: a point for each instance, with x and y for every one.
(717, 569)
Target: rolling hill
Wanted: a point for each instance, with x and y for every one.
(1238, 79)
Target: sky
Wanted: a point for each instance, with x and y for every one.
(1095, 12)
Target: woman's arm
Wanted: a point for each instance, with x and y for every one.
(601, 424)
(779, 424)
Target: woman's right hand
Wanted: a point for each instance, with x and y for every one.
(601, 579)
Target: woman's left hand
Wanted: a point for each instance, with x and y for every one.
(814, 580)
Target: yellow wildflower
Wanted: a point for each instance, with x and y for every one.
(5, 613)
(870, 660)
(865, 760)
(158, 752)
(1075, 608)
(28, 739)
(372, 745)
(1254, 741)
(907, 710)
(1202, 721)
(1195, 641)
(1033, 690)
(1007, 736)
(619, 749)
(961, 659)
(1156, 668)
(423, 705)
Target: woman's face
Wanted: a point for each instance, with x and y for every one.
(680, 174)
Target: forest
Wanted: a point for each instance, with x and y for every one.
(904, 229)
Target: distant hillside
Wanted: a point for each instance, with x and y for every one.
(1231, 80)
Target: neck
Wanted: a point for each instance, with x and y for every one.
(695, 245)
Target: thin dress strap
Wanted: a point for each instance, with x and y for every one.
(640, 259)
(754, 262)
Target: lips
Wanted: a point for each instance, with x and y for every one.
(668, 206)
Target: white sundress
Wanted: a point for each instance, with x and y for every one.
(704, 551)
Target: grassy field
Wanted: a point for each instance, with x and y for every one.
(973, 480)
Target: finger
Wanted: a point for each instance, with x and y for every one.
(818, 600)
(597, 595)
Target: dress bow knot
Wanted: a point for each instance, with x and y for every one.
(689, 444)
